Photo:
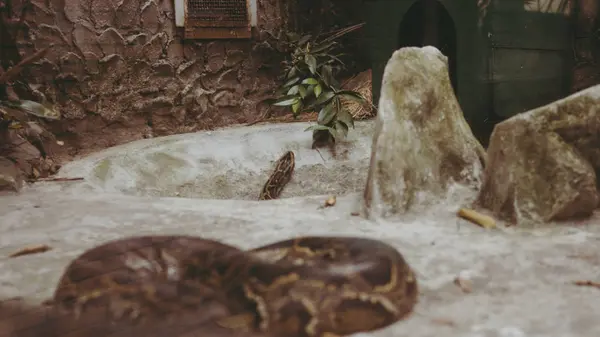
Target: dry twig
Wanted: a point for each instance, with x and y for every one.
(31, 250)
(477, 218)
(587, 283)
(58, 179)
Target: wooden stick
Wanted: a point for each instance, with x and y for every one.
(57, 179)
(477, 218)
(31, 250)
(587, 283)
(16, 70)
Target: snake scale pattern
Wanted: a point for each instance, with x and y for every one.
(305, 286)
(282, 174)
(185, 286)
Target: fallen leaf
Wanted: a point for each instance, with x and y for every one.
(31, 250)
(477, 218)
(464, 284)
(60, 142)
(587, 283)
(330, 201)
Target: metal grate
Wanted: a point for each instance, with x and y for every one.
(217, 13)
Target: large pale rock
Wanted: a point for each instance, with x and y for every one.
(543, 164)
(422, 143)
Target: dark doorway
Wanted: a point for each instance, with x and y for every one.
(428, 23)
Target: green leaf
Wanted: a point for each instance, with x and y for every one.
(292, 73)
(310, 80)
(311, 62)
(293, 37)
(43, 110)
(268, 101)
(334, 83)
(318, 90)
(304, 39)
(345, 117)
(291, 82)
(331, 58)
(296, 107)
(324, 47)
(325, 97)
(327, 75)
(315, 127)
(302, 91)
(293, 90)
(341, 129)
(310, 89)
(327, 114)
(281, 91)
(286, 100)
(352, 95)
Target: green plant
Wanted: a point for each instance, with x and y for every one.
(310, 84)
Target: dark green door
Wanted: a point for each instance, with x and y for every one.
(528, 60)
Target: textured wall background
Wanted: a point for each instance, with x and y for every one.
(120, 70)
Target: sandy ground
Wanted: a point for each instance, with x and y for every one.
(517, 282)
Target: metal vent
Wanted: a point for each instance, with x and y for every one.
(217, 13)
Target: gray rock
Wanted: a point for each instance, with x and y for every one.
(422, 143)
(543, 163)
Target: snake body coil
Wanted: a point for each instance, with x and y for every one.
(307, 286)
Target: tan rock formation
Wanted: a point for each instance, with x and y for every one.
(422, 142)
(543, 164)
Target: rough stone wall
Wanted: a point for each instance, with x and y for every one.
(120, 70)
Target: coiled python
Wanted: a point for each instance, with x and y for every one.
(306, 286)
